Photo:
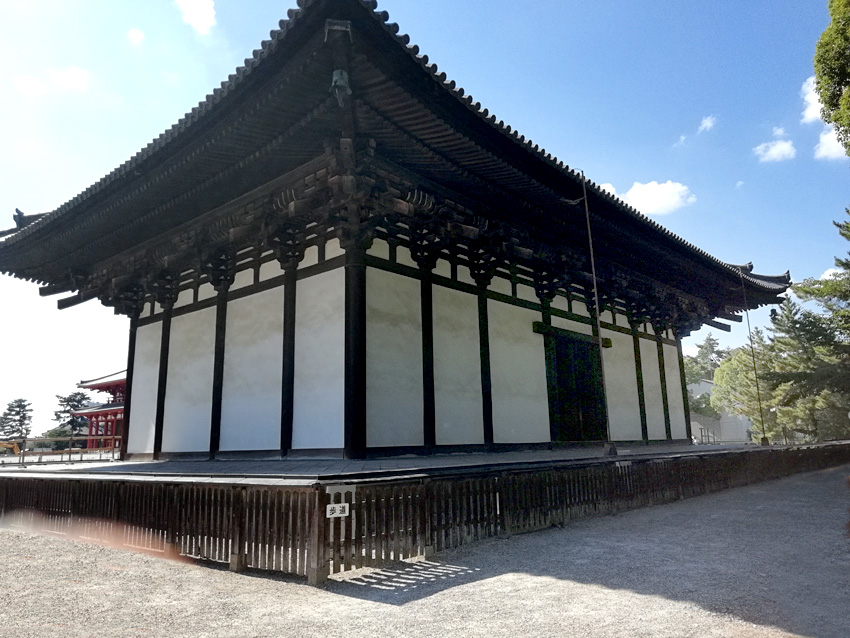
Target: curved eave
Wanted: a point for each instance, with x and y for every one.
(477, 123)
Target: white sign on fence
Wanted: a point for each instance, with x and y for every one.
(337, 510)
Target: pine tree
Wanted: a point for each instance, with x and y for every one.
(707, 359)
(67, 405)
(15, 422)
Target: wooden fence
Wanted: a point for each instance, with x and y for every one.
(329, 527)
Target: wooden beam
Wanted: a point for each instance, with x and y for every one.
(720, 326)
(542, 328)
(55, 289)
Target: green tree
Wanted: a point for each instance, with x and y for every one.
(707, 359)
(737, 390)
(702, 367)
(826, 335)
(800, 342)
(67, 405)
(15, 422)
(832, 70)
(55, 433)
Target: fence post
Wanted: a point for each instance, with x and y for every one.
(502, 494)
(238, 558)
(426, 529)
(317, 568)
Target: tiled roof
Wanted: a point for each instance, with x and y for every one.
(267, 48)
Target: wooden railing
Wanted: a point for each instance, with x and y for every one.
(31, 450)
(327, 527)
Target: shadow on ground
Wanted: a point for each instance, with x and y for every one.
(775, 554)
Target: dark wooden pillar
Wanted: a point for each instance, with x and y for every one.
(129, 302)
(221, 269)
(128, 393)
(486, 380)
(429, 426)
(287, 390)
(644, 429)
(425, 247)
(482, 268)
(165, 293)
(288, 244)
(685, 399)
(662, 373)
(355, 239)
(546, 286)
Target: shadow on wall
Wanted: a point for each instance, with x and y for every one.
(773, 554)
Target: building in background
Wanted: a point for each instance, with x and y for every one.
(724, 428)
(105, 420)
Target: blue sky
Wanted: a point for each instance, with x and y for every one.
(693, 111)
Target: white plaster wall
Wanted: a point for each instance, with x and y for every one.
(184, 298)
(145, 381)
(311, 257)
(333, 249)
(652, 390)
(319, 408)
(253, 360)
(580, 309)
(561, 303)
(501, 285)
(457, 368)
(443, 269)
(621, 387)
(463, 275)
(270, 270)
(402, 256)
(206, 291)
(527, 292)
(518, 376)
(394, 402)
(188, 395)
(675, 403)
(243, 278)
(572, 326)
(380, 249)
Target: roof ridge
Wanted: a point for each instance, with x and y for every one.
(267, 47)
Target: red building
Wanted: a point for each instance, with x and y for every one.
(105, 419)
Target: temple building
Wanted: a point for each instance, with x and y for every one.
(339, 252)
(105, 420)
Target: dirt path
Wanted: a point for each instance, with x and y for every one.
(766, 561)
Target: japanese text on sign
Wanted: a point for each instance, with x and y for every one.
(337, 510)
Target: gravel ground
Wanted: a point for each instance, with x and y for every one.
(767, 560)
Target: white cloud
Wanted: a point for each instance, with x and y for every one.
(654, 198)
(71, 78)
(135, 36)
(776, 151)
(828, 146)
(707, 123)
(739, 184)
(681, 141)
(811, 102)
(778, 131)
(830, 273)
(198, 14)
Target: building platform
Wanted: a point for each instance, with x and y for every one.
(306, 470)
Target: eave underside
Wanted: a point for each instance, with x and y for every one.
(218, 185)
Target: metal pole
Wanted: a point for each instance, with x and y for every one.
(611, 450)
(764, 440)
